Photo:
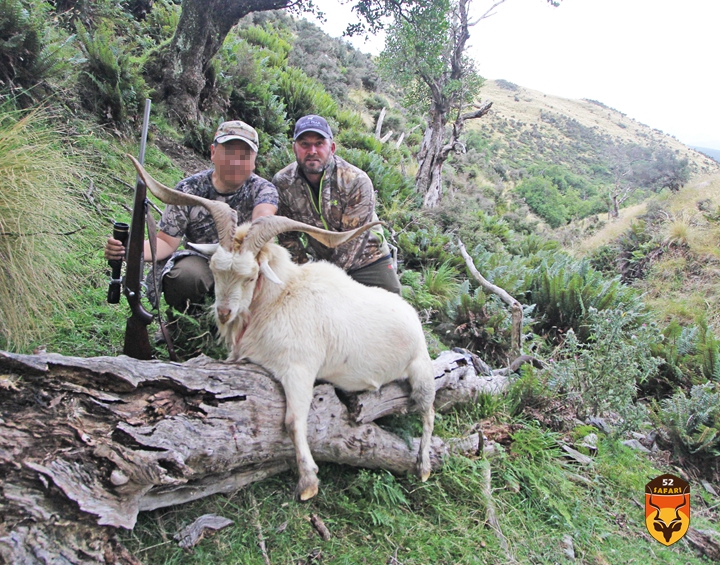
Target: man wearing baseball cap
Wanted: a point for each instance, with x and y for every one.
(323, 190)
(186, 277)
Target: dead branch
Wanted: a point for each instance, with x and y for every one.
(515, 306)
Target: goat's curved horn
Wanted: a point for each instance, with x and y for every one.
(224, 216)
(263, 229)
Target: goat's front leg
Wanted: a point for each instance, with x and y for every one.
(298, 397)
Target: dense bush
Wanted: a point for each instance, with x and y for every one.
(601, 375)
(24, 62)
(690, 423)
(110, 81)
(303, 96)
(543, 198)
(564, 290)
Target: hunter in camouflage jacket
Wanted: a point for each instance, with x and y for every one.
(195, 223)
(347, 201)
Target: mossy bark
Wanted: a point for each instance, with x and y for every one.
(200, 33)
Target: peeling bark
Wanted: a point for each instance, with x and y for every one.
(87, 444)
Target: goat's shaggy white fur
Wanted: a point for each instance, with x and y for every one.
(309, 322)
(316, 323)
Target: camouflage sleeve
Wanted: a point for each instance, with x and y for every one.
(174, 220)
(289, 240)
(358, 210)
(264, 192)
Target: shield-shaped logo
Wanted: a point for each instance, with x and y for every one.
(667, 508)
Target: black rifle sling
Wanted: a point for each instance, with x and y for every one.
(152, 238)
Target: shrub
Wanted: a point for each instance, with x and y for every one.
(250, 83)
(601, 376)
(160, 23)
(302, 95)
(691, 423)
(564, 289)
(389, 183)
(349, 119)
(23, 59)
(543, 198)
(354, 139)
(110, 83)
(275, 46)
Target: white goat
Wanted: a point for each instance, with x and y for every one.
(309, 322)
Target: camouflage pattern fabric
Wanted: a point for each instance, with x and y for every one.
(347, 202)
(196, 224)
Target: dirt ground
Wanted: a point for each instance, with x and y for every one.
(183, 157)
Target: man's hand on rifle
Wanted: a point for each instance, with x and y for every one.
(114, 250)
(166, 246)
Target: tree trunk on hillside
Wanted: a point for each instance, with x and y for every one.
(434, 152)
(86, 444)
(200, 33)
(447, 96)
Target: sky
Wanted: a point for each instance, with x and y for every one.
(658, 61)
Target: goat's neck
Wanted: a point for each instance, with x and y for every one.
(267, 291)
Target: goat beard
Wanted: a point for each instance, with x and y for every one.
(233, 331)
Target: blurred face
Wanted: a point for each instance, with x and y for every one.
(313, 152)
(234, 163)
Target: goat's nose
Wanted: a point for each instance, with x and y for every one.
(223, 315)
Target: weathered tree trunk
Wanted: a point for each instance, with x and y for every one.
(434, 152)
(200, 33)
(86, 444)
(428, 180)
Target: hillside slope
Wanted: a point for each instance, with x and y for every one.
(532, 117)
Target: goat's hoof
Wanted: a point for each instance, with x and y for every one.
(307, 491)
(422, 471)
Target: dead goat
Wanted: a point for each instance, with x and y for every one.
(309, 322)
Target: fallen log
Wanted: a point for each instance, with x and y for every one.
(88, 443)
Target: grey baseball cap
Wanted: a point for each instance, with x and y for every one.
(314, 123)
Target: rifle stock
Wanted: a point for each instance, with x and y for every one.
(137, 341)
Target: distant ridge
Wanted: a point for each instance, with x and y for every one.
(528, 126)
(714, 154)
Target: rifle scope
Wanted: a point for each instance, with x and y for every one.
(121, 231)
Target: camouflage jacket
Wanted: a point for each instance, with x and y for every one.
(196, 224)
(347, 201)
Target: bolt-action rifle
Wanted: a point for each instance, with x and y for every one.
(137, 341)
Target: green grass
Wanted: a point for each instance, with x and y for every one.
(43, 220)
(374, 516)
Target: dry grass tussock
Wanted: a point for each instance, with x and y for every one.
(693, 215)
(686, 223)
(36, 209)
(612, 229)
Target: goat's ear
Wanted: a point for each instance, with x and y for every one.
(268, 273)
(204, 248)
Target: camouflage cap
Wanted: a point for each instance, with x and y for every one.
(236, 129)
(317, 124)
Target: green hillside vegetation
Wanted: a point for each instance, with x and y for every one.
(622, 312)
